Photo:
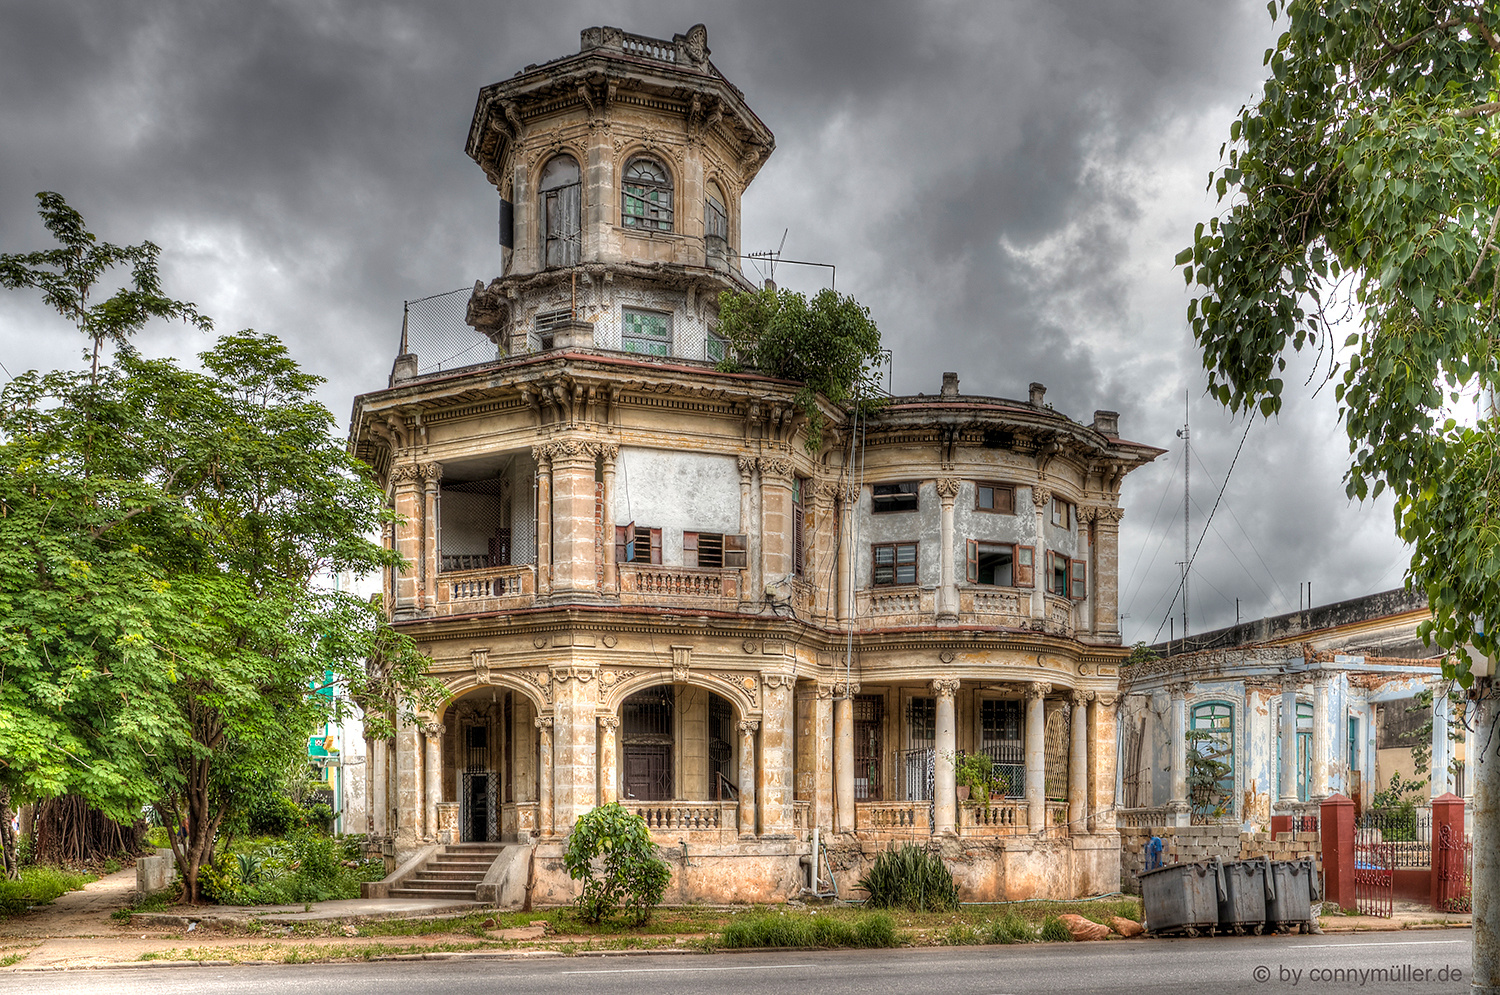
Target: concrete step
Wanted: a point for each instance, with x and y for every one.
(450, 894)
(433, 873)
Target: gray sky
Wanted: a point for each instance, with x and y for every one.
(1004, 184)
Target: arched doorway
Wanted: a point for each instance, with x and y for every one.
(677, 742)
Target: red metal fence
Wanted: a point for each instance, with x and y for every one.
(1454, 867)
(1374, 879)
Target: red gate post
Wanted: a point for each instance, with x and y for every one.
(1447, 810)
(1337, 825)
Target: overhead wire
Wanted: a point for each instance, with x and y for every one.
(1253, 548)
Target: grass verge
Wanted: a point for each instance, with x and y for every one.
(37, 886)
(777, 929)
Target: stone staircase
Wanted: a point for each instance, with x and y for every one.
(453, 873)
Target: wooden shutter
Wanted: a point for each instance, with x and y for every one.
(690, 549)
(734, 551)
(1078, 578)
(1025, 566)
(622, 538)
(971, 561)
(656, 546)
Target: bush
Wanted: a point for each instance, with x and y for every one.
(1053, 931)
(769, 929)
(632, 875)
(1011, 928)
(910, 878)
(158, 837)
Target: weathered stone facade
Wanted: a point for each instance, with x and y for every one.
(638, 584)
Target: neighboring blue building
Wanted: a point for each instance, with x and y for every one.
(1294, 707)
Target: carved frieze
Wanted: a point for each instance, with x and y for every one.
(745, 683)
(775, 466)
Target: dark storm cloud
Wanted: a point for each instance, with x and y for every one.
(1004, 184)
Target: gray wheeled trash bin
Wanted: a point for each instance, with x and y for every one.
(1289, 891)
(1242, 897)
(1180, 898)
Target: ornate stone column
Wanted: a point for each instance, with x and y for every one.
(1102, 758)
(574, 740)
(775, 767)
(1041, 497)
(543, 456)
(1179, 812)
(947, 607)
(776, 537)
(1078, 764)
(944, 790)
(433, 769)
(1287, 800)
(544, 818)
(573, 565)
(407, 500)
(1105, 586)
(843, 756)
(1322, 757)
(608, 780)
(748, 778)
(848, 507)
(431, 474)
(814, 754)
(754, 589)
(1036, 757)
(609, 454)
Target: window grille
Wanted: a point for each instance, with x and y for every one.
(647, 714)
(646, 333)
(1002, 738)
(868, 746)
(1055, 743)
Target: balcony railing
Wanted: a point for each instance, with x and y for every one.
(706, 819)
(995, 819)
(894, 605)
(892, 818)
(464, 591)
(640, 583)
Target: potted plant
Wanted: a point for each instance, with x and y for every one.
(974, 771)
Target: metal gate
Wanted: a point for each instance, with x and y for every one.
(1454, 867)
(1374, 879)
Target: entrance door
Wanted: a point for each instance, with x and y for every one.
(648, 771)
(479, 808)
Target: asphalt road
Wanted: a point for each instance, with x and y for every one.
(1420, 962)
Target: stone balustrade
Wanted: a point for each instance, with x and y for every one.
(877, 819)
(706, 818)
(1002, 818)
(678, 584)
(460, 592)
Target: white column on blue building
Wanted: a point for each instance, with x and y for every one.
(1439, 774)
(1323, 757)
(1288, 794)
(1179, 812)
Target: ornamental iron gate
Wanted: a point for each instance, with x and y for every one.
(1454, 868)
(1374, 879)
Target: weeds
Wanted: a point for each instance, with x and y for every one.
(1053, 931)
(767, 929)
(38, 886)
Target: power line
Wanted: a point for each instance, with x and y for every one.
(1270, 574)
(1182, 583)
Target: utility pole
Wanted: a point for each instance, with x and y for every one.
(1185, 435)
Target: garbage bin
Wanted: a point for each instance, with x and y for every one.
(1242, 897)
(1180, 898)
(1289, 891)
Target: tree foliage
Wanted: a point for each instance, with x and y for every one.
(830, 345)
(161, 529)
(1362, 186)
(610, 851)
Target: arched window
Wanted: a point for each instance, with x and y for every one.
(1210, 766)
(647, 199)
(715, 227)
(560, 193)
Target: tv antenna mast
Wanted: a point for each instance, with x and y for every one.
(1184, 433)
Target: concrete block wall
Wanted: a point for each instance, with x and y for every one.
(1186, 844)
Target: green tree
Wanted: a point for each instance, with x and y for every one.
(1362, 183)
(610, 851)
(829, 345)
(160, 626)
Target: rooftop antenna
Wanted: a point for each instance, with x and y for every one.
(1185, 435)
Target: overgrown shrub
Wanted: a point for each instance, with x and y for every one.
(910, 878)
(306, 867)
(772, 929)
(1053, 931)
(611, 852)
(1011, 928)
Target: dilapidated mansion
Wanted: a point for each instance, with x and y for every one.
(638, 584)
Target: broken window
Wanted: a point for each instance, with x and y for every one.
(715, 347)
(713, 549)
(999, 498)
(1062, 513)
(994, 563)
(646, 333)
(1065, 577)
(547, 322)
(483, 524)
(637, 544)
(895, 563)
(894, 497)
(715, 228)
(647, 196)
(561, 199)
